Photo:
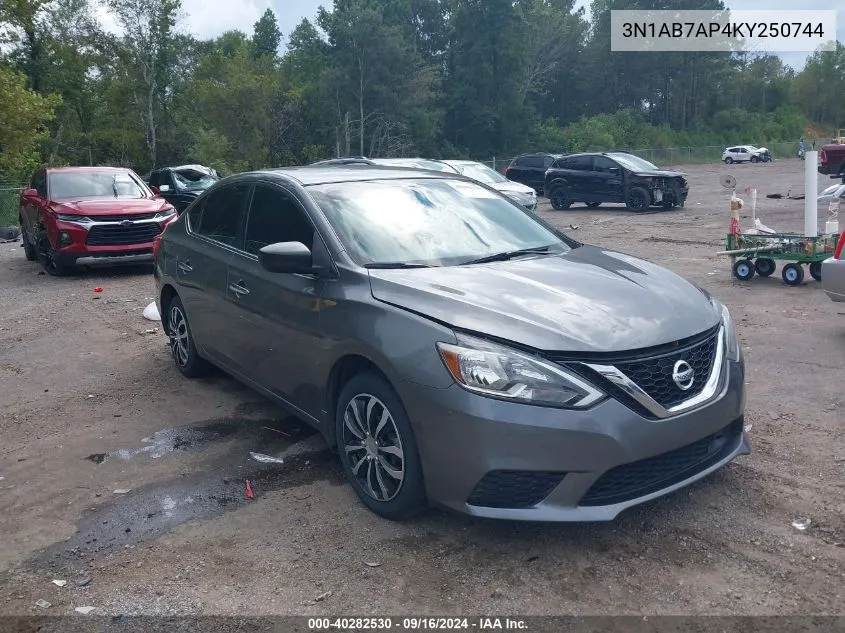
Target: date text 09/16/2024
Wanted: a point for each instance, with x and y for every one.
(417, 624)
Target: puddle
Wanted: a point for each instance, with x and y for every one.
(148, 512)
(195, 438)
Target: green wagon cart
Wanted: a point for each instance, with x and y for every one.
(758, 254)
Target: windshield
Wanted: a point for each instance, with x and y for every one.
(193, 180)
(480, 172)
(634, 162)
(414, 163)
(83, 185)
(427, 221)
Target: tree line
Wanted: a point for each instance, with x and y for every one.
(438, 78)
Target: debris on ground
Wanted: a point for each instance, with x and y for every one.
(774, 196)
(266, 459)
(267, 428)
(82, 581)
(323, 596)
(249, 493)
(84, 610)
(152, 330)
(372, 564)
(60, 583)
(10, 234)
(715, 271)
(151, 312)
(801, 524)
(301, 495)
(90, 395)
(43, 604)
(122, 491)
(98, 289)
(574, 227)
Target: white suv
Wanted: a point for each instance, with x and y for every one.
(744, 153)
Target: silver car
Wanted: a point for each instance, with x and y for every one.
(833, 273)
(519, 193)
(452, 347)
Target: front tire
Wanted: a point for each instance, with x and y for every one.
(182, 345)
(28, 249)
(559, 198)
(638, 199)
(378, 449)
(729, 161)
(48, 257)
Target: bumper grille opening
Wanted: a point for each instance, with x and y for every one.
(513, 488)
(637, 479)
(122, 235)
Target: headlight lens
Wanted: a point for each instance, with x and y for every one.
(731, 340)
(165, 213)
(500, 372)
(78, 219)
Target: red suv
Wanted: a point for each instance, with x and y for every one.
(89, 216)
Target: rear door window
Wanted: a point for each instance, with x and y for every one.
(222, 214)
(534, 162)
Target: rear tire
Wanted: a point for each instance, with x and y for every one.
(638, 199)
(793, 274)
(182, 345)
(754, 159)
(559, 198)
(378, 450)
(743, 269)
(729, 161)
(816, 270)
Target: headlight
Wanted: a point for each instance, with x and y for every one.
(165, 213)
(78, 219)
(731, 341)
(500, 372)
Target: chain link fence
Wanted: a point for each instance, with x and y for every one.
(9, 204)
(678, 155)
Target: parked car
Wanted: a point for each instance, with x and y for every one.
(834, 192)
(519, 193)
(613, 177)
(450, 347)
(412, 163)
(746, 153)
(530, 169)
(181, 185)
(833, 273)
(832, 159)
(90, 216)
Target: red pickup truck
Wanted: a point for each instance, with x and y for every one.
(832, 159)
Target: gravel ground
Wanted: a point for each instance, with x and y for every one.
(91, 404)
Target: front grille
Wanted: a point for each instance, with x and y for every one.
(637, 479)
(120, 218)
(116, 235)
(513, 488)
(654, 375)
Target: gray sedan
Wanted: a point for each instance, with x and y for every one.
(833, 273)
(453, 348)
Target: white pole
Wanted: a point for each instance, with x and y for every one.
(811, 194)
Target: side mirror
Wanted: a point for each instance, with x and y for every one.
(287, 257)
(164, 188)
(30, 193)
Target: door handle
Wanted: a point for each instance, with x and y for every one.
(185, 267)
(239, 289)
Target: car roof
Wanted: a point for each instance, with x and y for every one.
(86, 168)
(319, 175)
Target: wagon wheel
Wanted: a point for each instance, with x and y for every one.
(816, 270)
(765, 267)
(743, 269)
(793, 274)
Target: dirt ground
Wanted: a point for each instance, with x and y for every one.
(91, 404)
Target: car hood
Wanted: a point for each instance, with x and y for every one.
(660, 173)
(586, 300)
(511, 187)
(111, 206)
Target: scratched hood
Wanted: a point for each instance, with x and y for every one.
(111, 206)
(586, 300)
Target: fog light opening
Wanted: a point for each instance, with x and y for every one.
(65, 239)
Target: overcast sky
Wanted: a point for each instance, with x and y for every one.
(208, 18)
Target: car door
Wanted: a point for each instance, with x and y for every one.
(578, 177)
(202, 265)
(607, 175)
(274, 316)
(31, 206)
(516, 171)
(742, 154)
(535, 172)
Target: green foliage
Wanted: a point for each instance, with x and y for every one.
(267, 37)
(23, 118)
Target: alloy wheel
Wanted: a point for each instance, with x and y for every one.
(373, 447)
(177, 330)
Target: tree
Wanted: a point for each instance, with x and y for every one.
(266, 37)
(148, 55)
(24, 115)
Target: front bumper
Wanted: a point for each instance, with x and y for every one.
(833, 279)
(555, 465)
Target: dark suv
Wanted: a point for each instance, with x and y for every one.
(613, 177)
(530, 169)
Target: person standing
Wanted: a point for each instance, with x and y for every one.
(801, 147)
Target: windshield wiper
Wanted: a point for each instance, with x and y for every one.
(501, 257)
(389, 265)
